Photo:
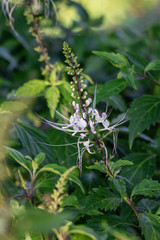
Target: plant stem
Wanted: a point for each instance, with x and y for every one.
(84, 110)
(39, 39)
(130, 203)
(148, 78)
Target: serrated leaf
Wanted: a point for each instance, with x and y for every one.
(54, 168)
(128, 74)
(153, 66)
(101, 199)
(116, 59)
(144, 111)
(111, 88)
(34, 140)
(143, 166)
(121, 163)
(31, 88)
(19, 158)
(52, 94)
(150, 225)
(119, 185)
(147, 187)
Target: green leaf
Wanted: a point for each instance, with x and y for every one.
(54, 76)
(39, 158)
(79, 230)
(52, 94)
(66, 91)
(87, 77)
(144, 111)
(116, 59)
(120, 186)
(111, 88)
(31, 88)
(114, 221)
(136, 59)
(153, 66)
(54, 168)
(34, 141)
(19, 158)
(101, 198)
(143, 165)
(147, 187)
(150, 225)
(121, 163)
(128, 74)
(70, 200)
(118, 103)
(98, 166)
(13, 106)
(35, 220)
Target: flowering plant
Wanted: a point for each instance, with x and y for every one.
(86, 120)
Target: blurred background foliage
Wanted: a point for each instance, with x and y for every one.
(129, 26)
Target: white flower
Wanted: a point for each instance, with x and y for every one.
(88, 101)
(105, 124)
(84, 115)
(91, 123)
(83, 135)
(74, 103)
(87, 145)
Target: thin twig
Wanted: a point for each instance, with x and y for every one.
(148, 78)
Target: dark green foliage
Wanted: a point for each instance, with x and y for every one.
(115, 192)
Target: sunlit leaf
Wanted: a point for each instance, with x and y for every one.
(13, 106)
(52, 94)
(31, 88)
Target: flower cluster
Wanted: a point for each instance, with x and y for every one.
(77, 83)
(86, 119)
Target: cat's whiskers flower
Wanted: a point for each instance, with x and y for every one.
(86, 119)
